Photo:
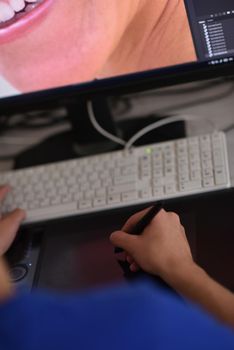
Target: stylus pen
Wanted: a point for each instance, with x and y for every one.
(143, 223)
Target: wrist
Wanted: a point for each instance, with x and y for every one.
(180, 275)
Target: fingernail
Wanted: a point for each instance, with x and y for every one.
(115, 233)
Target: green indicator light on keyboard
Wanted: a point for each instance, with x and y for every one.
(148, 150)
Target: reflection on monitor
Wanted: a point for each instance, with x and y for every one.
(53, 43)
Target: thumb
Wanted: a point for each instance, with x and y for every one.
(124, 240)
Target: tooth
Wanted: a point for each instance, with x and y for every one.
(31, 0)
(29, 8)
(17, 5)
(6, 12)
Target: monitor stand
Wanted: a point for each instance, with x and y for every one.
(81, 140)
(84, 140)
(87, 140)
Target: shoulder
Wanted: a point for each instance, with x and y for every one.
(137, 316)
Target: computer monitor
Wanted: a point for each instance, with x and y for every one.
(53, 52)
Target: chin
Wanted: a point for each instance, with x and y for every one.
(31, 82)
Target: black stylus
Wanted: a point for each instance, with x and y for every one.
(143, 223)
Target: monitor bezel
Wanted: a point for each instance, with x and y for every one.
(120, 85)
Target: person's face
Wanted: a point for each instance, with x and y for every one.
(60, 42)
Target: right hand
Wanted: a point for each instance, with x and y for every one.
(162, 249)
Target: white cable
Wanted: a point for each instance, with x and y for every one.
(99, 129)
(154, 126)
(127, 145)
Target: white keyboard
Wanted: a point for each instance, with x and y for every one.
(118, 179)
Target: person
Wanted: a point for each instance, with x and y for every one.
(56, 42)
(139, 316)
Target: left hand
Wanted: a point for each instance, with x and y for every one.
(9, 224)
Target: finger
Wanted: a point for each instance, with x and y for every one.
(9, 227)
(174, 216)
(3, 191)
(134, 267)
(124, 240)
(129, 259)
(183, 232)
(133, 220)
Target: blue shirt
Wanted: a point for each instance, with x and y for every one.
(138, 316)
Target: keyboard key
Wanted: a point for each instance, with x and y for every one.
(78, 196)
(115, 199)
(122, 188)
(129, 170)
(208, 182)
(195, 175)
(120, 180)
(90, 194)
(190, 186)
(85, 204)
(45, 203)
(53, 201)
(129, 196)
(145, 193)
(52, 211)
(207, 173)
(99, 202)
(158, 191)
(184, 177)
(170, 188)
(67, 198)
(220, 176)
(101, 193)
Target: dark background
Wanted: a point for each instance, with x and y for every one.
(207, 7)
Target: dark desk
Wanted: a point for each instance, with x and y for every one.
(77, 254)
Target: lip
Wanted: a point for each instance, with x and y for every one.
(25, 23)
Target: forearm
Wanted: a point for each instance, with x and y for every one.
(6, 286)
(162, 249)
(196, 285)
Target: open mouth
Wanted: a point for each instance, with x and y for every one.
(12, 10)
(16, 16)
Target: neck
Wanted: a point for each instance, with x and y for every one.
(155, 37)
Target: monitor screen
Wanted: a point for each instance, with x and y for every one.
(47, 44)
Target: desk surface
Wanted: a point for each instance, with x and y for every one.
(77, 253)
